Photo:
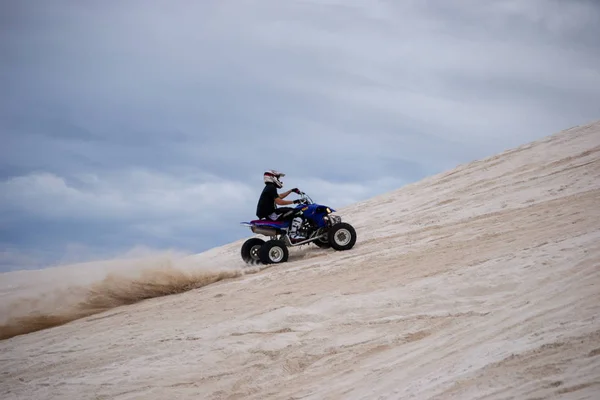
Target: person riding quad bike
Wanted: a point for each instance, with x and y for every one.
(270, 199)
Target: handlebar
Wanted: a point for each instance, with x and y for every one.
(306, 198)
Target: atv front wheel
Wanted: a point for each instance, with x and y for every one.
(251, 250)
(342, 236)
(273, 252)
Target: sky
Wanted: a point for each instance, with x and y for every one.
(144, 124)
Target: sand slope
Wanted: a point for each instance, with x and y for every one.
(479, 283)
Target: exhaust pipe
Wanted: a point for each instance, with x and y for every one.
(262, 230)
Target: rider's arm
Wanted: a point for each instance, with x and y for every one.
(284, 194)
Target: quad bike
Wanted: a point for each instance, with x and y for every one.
(320, 226)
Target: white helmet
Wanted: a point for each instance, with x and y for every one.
(273, 177)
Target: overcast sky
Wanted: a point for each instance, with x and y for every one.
(146, 123)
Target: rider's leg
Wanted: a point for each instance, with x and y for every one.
(296, 224)
(283, 214)
(280, 213)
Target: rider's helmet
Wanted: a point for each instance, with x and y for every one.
(274, 177)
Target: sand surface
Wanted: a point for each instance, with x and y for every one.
(479, 283)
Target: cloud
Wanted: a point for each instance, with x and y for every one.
(11, 260)
(132, 195)
(141, 123)
(140, 197)
(72, 219)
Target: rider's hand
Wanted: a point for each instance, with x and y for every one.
(298, 201)
(296, 190)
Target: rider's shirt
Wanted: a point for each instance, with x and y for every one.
(266, 202)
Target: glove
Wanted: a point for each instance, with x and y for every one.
(298, 201)
(296, 190)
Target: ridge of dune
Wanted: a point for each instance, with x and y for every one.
(482, 282)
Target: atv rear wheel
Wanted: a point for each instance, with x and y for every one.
(342, 236)
(251, 250)
(273, 252)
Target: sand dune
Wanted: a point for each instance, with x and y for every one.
(478, 283)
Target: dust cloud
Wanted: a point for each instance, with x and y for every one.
(49, 309)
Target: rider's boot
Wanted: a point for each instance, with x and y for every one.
(294, 235)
